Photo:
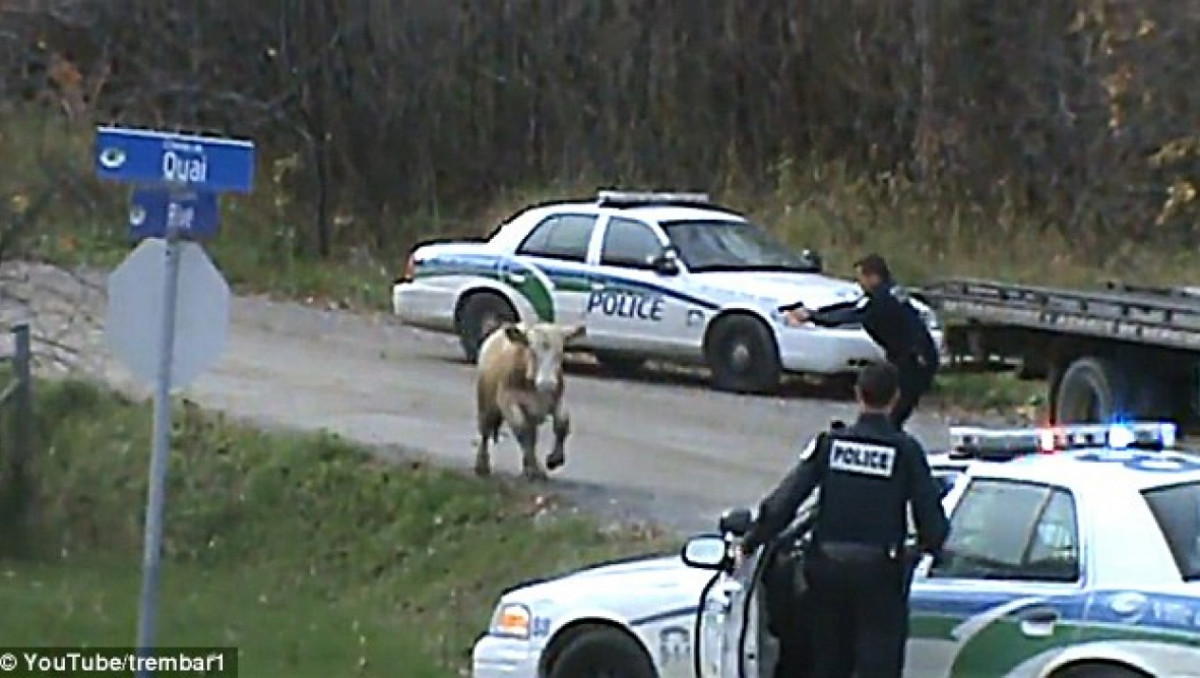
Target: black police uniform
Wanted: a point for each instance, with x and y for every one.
(857, 569)
(892, 322)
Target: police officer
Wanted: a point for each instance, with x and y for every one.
(857, 568)
(892, 322)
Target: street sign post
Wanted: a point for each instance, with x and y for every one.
(168, 307)
(195, 212)
(138, 156)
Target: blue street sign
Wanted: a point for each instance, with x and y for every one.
(195, 213)
(147, 157)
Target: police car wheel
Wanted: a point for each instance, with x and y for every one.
(480, 314)
(742, 356)
(602, 653)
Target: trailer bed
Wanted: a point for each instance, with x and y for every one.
(1167, 318)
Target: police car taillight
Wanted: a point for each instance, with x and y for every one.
(990, 443)
(410, 269)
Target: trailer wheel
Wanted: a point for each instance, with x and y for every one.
(1092, 390)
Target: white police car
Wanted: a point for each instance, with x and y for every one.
(669, 276)
(631, 619)
(1080, 558)
(1080, 561)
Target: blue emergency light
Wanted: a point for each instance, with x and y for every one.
(1001, 443)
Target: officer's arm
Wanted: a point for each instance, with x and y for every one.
(928, 514)
(800, 304)
(778, 509)
(846, 313)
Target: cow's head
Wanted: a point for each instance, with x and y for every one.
(545, 342)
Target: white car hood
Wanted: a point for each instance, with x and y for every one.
(815, 290)
(629, 588)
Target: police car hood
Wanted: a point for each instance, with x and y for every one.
(813, 289)
(629, 588)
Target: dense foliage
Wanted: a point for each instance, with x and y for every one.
(1083, 113)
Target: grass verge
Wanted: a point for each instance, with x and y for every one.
(312, 558)
(1001, 395)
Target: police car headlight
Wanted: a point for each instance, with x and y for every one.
(511, 620)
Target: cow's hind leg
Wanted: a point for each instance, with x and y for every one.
(561, 420)
(489, 428)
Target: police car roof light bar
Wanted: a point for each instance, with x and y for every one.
(612, 197)
(1006, 443)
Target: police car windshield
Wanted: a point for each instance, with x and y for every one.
(1176, 509)
(732, 246)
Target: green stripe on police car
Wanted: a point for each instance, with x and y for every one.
(1001, 646)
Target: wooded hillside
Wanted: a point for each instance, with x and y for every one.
(1084, 113)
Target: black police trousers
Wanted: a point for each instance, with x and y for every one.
(915, 381)
(860, 601)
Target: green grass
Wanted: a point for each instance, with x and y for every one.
(999, 394)
(301, 550)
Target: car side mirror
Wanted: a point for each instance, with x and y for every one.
(705, 552)
(813, 260)
(667, 262)
(736, 522)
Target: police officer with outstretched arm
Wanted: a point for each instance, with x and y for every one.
(857, 568)
(892, 322)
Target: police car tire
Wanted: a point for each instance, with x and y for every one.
(1098, 670)
(475, 311)
(602, 651)
(763, 375)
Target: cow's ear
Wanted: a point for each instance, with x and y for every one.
(573, 332)
(516, 335)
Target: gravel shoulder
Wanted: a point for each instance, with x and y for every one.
(659, 451)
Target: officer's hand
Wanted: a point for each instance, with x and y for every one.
(797, 316)
(741, 553)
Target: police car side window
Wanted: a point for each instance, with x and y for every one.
(1012, 530)
(1176, 510)
(629, 243)
(564, 237)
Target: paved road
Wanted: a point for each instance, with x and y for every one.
(666, 452)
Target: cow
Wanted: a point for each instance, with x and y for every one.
(519, 381)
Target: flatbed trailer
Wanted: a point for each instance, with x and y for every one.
(1118, 352)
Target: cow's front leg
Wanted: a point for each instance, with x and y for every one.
(527, 437)
(525, 429)
(561, 420)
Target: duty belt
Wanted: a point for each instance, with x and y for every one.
(856, 551)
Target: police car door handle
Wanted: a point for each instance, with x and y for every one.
(1039, 622)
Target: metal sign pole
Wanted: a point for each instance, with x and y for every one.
(177, 178)
(160, 453)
